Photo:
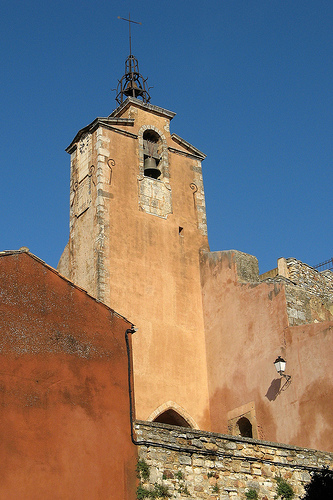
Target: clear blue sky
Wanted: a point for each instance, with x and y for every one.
(250, 81)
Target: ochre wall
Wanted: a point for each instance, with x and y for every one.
(246, 329)
(206, 339)
(309, 350)
(64, 406)
(151, 272)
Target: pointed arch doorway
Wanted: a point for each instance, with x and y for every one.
(172, 414)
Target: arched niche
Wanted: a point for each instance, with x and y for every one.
(173, 414)
(242, 421)
(171, 417)
(244, 427)
(152, 154)
(151, 135)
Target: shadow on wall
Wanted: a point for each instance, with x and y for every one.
(274, 389)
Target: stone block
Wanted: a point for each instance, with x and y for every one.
(231, 446)
(301, 315)
(197, 443)
(198, 487)
(198, 462)
(210, 446)
(185, 459)
(104, 152)
(292, 313)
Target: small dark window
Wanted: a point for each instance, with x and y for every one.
(244, 427)
(181, 231)
(171, 417)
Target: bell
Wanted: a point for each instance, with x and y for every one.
(150, 169)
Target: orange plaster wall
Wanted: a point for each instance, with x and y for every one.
(64, 410)
(310, 356)
(155, 279)
(246, 329)
(152, 273)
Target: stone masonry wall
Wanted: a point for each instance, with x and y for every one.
(311, 280)
(309, 293)
(304, 307)
(307, 277)
(194, 464)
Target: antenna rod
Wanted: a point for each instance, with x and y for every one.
(129, 29)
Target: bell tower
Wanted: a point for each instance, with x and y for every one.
(137, 225)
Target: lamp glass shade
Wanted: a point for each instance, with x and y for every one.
(280, 364)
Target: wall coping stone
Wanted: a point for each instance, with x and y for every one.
(239, 439)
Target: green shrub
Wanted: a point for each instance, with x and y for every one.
(179, 475)
(251, 494)
(160, 491)
(183, 490)
(215, 489)
(143, 473)
(142, 493)
(283, 489)
(142, 470)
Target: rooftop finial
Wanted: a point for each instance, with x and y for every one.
(132, 84)
(129, 29)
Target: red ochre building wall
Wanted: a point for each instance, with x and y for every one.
(247, 327)
(64, 405)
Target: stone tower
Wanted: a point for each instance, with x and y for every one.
(137, 225)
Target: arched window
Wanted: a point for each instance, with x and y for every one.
(244, 427)
(152, 149)
(153, 153)
(171, 417)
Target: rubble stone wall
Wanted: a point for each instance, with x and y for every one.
(309, 293)
(311, 280)
(304, 307)
(201, 465)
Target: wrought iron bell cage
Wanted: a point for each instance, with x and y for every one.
(132, 84)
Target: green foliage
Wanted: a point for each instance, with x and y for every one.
(143, 473)
(215, 489)
(160, 491)
(183, 490)
(320, 486)
(142, 492)
(283, 489)
(142, 470)
(251, 494)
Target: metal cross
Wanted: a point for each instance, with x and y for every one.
(129, 29)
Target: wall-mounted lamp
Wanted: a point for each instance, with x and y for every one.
(280, 366)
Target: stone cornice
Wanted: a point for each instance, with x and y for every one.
(191, 149)
(146, 106)
(102, 122)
